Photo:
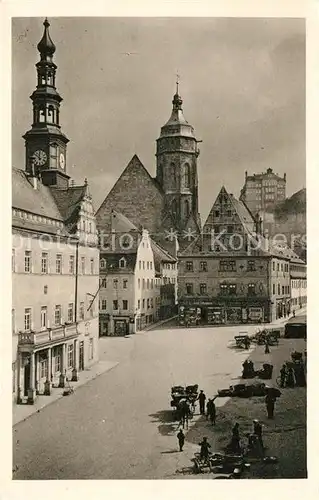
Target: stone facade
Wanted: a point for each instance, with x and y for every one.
(263, 191)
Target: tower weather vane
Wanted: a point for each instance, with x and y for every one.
(177, 81)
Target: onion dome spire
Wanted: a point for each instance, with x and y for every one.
(46, 47)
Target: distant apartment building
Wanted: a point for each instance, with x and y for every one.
(263, 191)
(137, 279)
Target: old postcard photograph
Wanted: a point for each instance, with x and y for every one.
(159, 248)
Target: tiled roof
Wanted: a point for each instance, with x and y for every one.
(120, 223)
(69, 200)
(243, 213)
(36, 201)
(113, 262)
(160, 255)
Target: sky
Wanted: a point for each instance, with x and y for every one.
(242, 82)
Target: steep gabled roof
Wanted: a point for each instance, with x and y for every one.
(161, 255)
(243, 213)
(120, 223)
(36, 201)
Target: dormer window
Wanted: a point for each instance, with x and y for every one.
(122, 262)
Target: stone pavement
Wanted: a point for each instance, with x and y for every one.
(22, 412)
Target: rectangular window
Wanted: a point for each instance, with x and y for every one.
(82, 265)
(203, 266)
(43, 367)
(27, 261)
(71, 264)
(138, 304)
(152, 303)
(274, 266)
(115, 305)
(70, 356)
(189, 266)
(143, 264)
(71, 313)
(189, 288)
(103, 283)
(277, 266)
(124, 283)
(13, 261)
(92, 266)
(115, 283)
(251, 265)
(139, 265)
(58, 263)
(91, 348)
(230, 229)
(216, 213)
(283, 290)
(143, 303)
(202, 288)
(232, 289)
(57, 315)
(148, 303)
(274, 289)
(103, 304)
(227, 265)
(278, 289)
(81, 311)
(139, 283)
(27, 319)
(288, 291)
(44, 316)
(151, 266)
(125, 306)
(223, 289)
(148, 265)
(251, 289)
(44, 263)
(57, 361)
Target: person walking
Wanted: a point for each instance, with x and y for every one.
(181, 439)
(202, 399)
(291, 379)
(208, 408)
(267, 350)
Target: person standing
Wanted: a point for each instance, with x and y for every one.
(204, 449)
(181, 439)
(213, 412)
(208, 408)
(270, 405)
(235, 441)
(258, 431)
(267, 350)
(202, 399)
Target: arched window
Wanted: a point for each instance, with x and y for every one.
(42, 114)
(122, 262)
(50, 114)
(186, 208)
(187, 175)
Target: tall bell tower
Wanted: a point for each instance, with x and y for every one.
(45, 142)
(176, 160)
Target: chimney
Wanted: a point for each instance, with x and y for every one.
(246, 175)
(284, 176)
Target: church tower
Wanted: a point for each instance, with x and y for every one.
(176, 172)
(45, 143)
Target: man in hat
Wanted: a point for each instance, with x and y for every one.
(202, 399)
(181, 439)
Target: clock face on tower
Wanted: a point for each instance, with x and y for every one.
(40, 157)
(62, 160)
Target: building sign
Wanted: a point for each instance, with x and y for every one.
(255, 313)
(215, 315)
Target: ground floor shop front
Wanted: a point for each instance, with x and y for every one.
(52, 359)
(222, 313)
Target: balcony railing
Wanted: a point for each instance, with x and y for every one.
(46, 336)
